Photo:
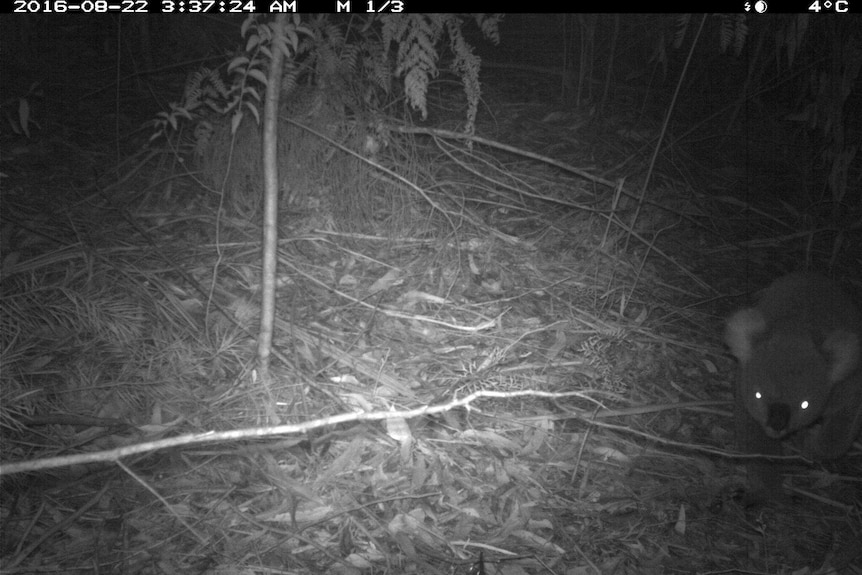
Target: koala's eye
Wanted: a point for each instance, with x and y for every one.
(804, 405)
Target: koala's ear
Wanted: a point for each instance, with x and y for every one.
(842, 347)
(741, 330)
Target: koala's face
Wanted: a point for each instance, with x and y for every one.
(800, 366)
(785, 383)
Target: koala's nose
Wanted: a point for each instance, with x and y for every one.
(778, 417)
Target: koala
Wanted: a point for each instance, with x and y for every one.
(800, 371)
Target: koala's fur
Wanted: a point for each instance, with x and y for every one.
(800, 368)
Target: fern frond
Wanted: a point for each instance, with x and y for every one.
(489, 24)
(467, 65)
